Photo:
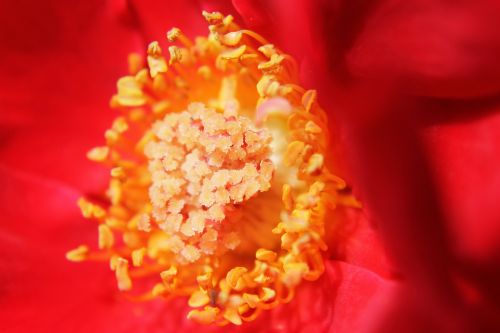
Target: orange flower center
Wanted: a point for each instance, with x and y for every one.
(220, 183)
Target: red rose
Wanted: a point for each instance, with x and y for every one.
(399, 80)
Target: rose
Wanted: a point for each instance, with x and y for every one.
(33, 239)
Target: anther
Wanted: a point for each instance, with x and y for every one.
(156, 62)
(122, 277)
(78, 254)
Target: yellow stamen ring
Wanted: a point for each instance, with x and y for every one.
(219, 179)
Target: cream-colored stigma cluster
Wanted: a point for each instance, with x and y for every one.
(203, 163)
(220, 176)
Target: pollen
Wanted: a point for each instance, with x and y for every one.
(220, 176)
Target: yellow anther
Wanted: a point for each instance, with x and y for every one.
(272, 66)
(169, 274)
(231, 38)
(268, 50)
(142, 78)
(113, 262)
(213, 18)
(204, 280)
(78, 254)
(232, 54)
(114, 191)
(111, 136)
(159, 290)
(148, 136)
(226, 21)
(312, 127)
(138, 257)
(175, 54)
(308, 99)
(89, 210)
(317, 187)
(154, 49)
(114, 223)
(98, 154)
(241, 284)
(234, 275)
(161, 107)
(173, 34)
(293, 152)
(198, 298)
(118, 173)
(156, 62)
(296, 225)
(122, 277)
(315, 163)
(294, 272)
(268, 294)
(261, 278)
(130, 92)
(266, 255)
(251, 299)
(269, 86)
(287, 240)
(243, 308)
(205, 316)
(106, 238)
(120, 125)
(307, 200)
(302, 214)
(233, 316)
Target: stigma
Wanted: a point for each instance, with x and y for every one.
(203, 164)
(220, 182)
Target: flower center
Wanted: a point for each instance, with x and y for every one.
(220, 183)
(203, 165)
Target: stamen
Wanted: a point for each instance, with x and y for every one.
(78, 254)
(122, 277)
(219, 186)
(156, 62)
(106, 238)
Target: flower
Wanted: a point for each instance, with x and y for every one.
(220, 183)
(429, 190)
(68, 297)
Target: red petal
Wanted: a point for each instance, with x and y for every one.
(352, 238)
(61, 62)
(436, 48)
(155, 18)
(345, 299)
(465, 154)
